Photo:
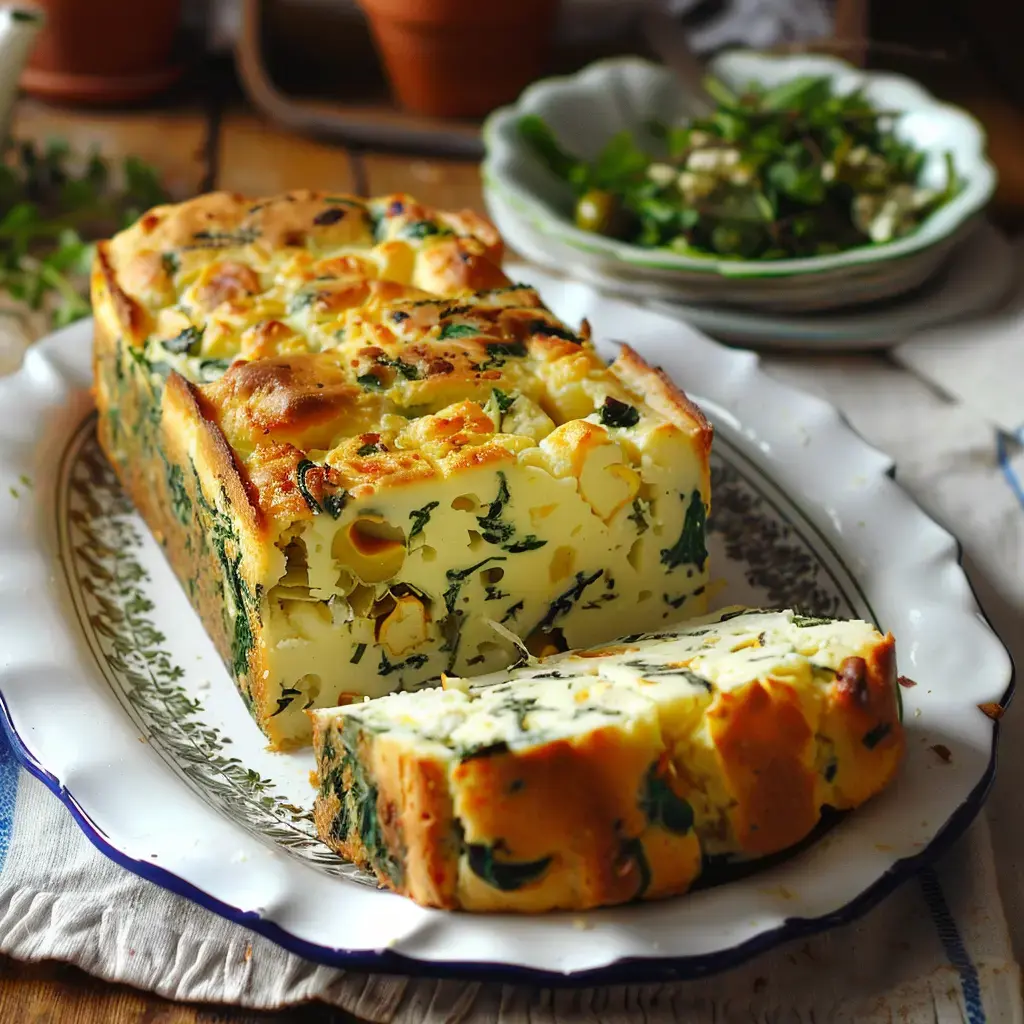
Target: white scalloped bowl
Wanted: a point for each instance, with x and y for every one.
(585, 109)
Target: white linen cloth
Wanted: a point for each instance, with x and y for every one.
(936, 950)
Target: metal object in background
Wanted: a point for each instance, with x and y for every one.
(675, 31)
(667, 37)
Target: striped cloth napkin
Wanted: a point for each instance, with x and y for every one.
(937, 950)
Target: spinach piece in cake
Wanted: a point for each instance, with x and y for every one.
(495, 530)
(420, 517)
(618, 414)
(662, 806)
(506, 875)
(691, 547)
(186, 342)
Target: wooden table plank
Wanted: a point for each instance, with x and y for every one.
(173, 141)
(258, 159)
(1004, 125)
(439, 183)
(50, 992)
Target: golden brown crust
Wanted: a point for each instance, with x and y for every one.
(414, 809)
(226, 281)
(863, 721)
(305, 400)
(214, 458)
(160, 450)
(363, 474)
(273, 472)
(763, 741)
(458, 265)
(662, 394)
(129, 312)
(238, 246)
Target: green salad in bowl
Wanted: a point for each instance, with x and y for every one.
(797, 169)
(810, 185)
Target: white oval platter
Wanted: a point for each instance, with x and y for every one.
(114, 696)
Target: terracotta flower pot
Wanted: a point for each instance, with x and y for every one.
(460, 58)
(104, 51)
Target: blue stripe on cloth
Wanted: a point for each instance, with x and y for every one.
(1003, 457)
(9, 770)
(956, 952)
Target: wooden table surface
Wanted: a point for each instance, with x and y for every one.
(214, 142)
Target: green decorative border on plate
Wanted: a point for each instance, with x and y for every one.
(99, 536)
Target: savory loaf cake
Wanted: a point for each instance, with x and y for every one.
(357, 441)
(608, 774)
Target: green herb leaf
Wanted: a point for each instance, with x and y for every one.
(187, 342)
(503, 400)
(288, 694)
(562, 604)
(420, 518)
(407, 370)
(423, 229)
(512, 612)
(691, 547)
(621, 158)
(496, 351)
(505, 875)
(720, 92)
(51, 209)
(386, 667)
(772, 173)
(457, 577)
(803, 621)
(875, 736)
(543, 142)
(639, 515)
(450, 331)
(797, 93)
(334, 498)
(528, 543)
(662, 806)
(618, 414)
(552, 330)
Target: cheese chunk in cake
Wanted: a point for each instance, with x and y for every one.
(358, 442)
(605, 775)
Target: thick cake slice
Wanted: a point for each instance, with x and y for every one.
(351, 475)
(604, 775)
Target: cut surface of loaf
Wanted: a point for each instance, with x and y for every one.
(606, 775)
(357, 441)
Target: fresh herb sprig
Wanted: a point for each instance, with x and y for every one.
(790, 171)
(51, 206)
